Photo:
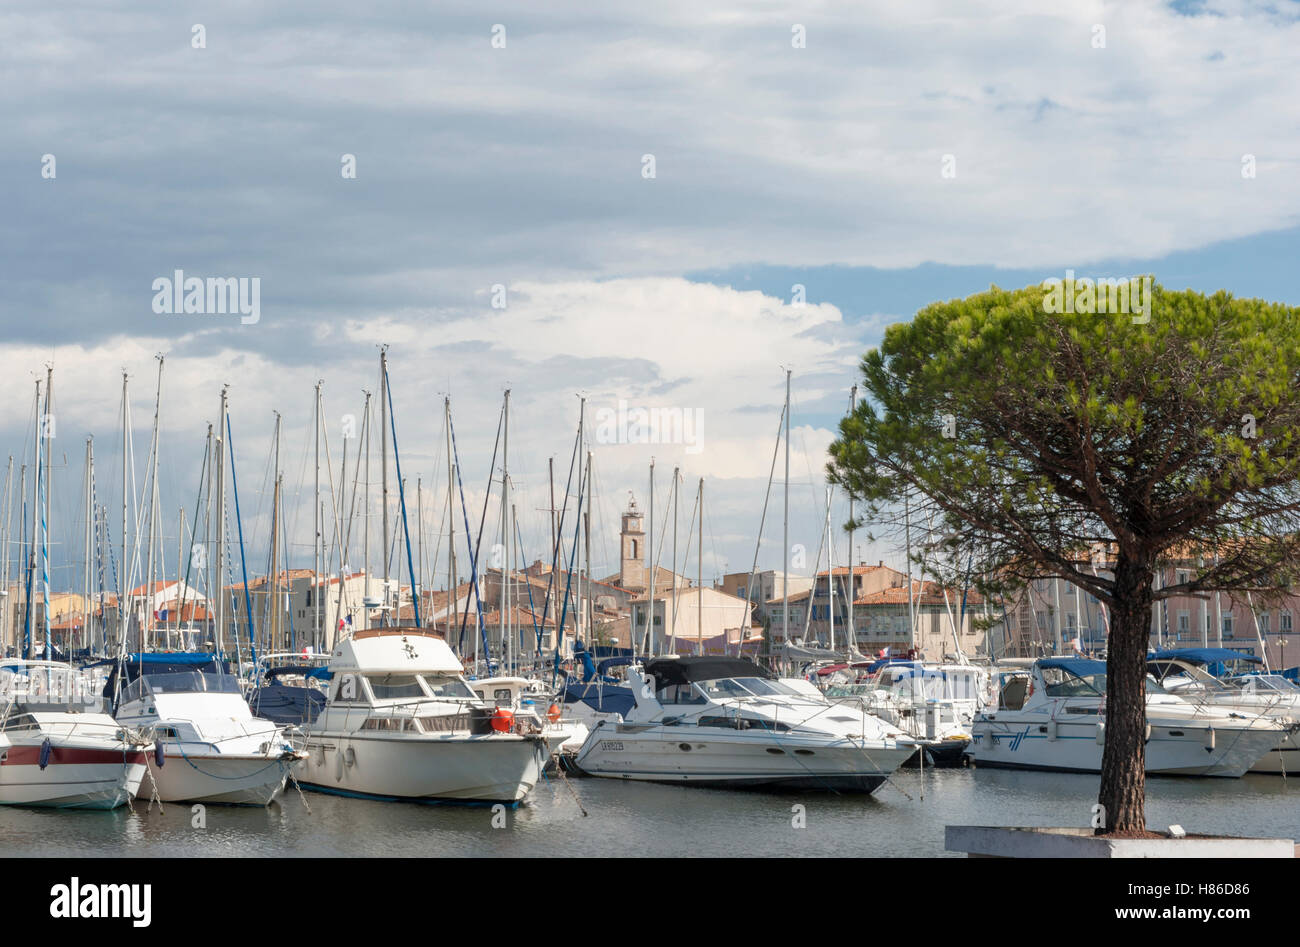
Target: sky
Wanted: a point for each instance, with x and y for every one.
(662, 206)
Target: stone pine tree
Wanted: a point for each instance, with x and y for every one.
(1038, 438)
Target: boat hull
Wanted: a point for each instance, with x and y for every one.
(218, 779)
(73, 778)
(1281, 760)
(1174, 750)
(735, 761)
(423, 768)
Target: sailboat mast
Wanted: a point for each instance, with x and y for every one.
(672, 632)
(153, 506)
(365, 540)
(221, 521)
(123, 619)
(316, 535)
(4, 561)
(590, 608)
(85, 571)
(650, 582)
(383, 466)
(785, 529)
(451, 522)
(504, 623)
(30, 617)
(830, 569)
(274, 633)
(699, 578)
(45, 522)
(851, 634)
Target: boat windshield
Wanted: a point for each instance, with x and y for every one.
(1270, 683)
(724, 687)
(1059, 682)
(746, 687)
(452, 687)
(179, 682)
(395, 686)
(848, 690)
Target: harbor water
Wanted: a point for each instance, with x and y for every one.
(905, 817)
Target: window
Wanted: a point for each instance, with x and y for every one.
(1264, 622)
(391, 686)
(1182, 576)
(1284, 620)
(679, 694)
(1184, 623)
(635, 550)
(1227, 625)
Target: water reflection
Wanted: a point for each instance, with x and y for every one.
(906, 817)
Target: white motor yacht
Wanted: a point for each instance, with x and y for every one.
(721, 722)
(57, 746)
(402, 723)
(1186, 672)
(1053, 719)
(211, 749)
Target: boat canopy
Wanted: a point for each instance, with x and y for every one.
(688, 670)
(308, 671)
(1202, 655)
(1079, 667)
(158, 663)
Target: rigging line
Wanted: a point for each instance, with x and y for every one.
(473, 563)
(243, 563)
(577, 532)
(401, 496)
(762, 520)
(531, 608)
(473, 556)
(557, 543)
(197, 503)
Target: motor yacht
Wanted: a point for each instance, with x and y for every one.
(402, 723)
(57, 746)
(1054, 719)
(723, 722)
(211, 749)
(1216, 676)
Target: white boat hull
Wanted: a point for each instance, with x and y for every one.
(1281, 760)
(424, 767)
(733, 759)
(217, 779)
(74, 778)
(1017, 741)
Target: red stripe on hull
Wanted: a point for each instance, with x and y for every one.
(31, 756)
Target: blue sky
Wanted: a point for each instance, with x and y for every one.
(1102, 137)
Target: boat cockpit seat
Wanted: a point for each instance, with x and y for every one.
(1013, 694)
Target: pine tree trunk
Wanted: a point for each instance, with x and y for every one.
(1123, 761)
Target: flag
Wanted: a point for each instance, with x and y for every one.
(884, 653)
(340, 624)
